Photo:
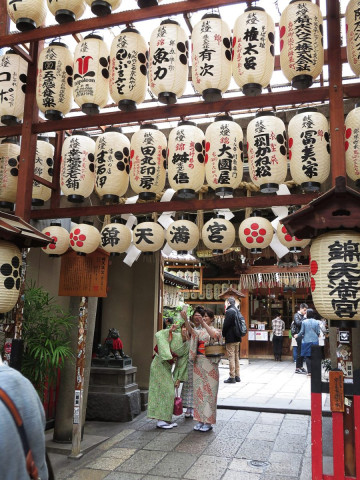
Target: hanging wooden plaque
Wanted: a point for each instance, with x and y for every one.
(84, 276)
(336, 380)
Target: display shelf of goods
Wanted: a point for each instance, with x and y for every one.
(189, 273)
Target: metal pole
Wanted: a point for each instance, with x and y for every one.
(79, 379)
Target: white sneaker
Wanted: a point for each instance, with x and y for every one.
(162, 424)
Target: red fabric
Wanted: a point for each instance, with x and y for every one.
(117, 344)
(156, 350)
(201, 348)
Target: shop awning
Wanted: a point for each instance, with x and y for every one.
(14, 229)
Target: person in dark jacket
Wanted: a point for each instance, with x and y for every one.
(232, 341)
(298, 319)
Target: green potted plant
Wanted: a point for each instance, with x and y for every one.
(46, 333)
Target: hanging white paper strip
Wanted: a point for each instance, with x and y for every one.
(278, 248)
(132, 254)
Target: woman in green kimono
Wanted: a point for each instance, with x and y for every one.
(171, 349)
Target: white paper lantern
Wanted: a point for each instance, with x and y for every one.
(101, 8)
(27, 14)
(77, 166)
(84, 238)
(211, 57)
(267, 158)
(256, 233)
(182, 236)
(128, 69)
(13, 70)
(224, 155)
(10, 275)
(91, 74)
(44, 162)
(115, 238)
(112, 164)
(168, 63)
(352, 144)
(186, 155)
(301, 43)
(217, 291)
(148, 236)
(9, 167)
(60, 237)
(148, 162)
(253, 50)
(209, 291)
(54, 81)
(309, 149)
(218, 234)
(293, 243)
(335, 279)
(352, 35)
(66, 10)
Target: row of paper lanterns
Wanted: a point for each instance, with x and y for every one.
(112, 162)
(125, 70)
(218, 234)
(330, 253)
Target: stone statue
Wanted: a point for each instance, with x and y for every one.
(112, 346)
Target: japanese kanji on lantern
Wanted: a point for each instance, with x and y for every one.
(335, 274)
(148, 236)
(27, 14)
(10, 275)
(168, 63)
(294, 244)
(128, 69)
(9, 167)
(224, 155)
(301, 43)
(77, 173)
(91, 74)
(148, 162)
(13, 70)
(60, 237)
(44, 161)
(352, 22)
(218, 234)
(115, 238)
(186, 159)
(266, 142)
(253, 50)
(352, 144)
(182, 236)
(101, 8)
(112, 164)
(66, 11)
(309, 149)
(84, 238)
(54, 81)
(211, 57)
(256, 233)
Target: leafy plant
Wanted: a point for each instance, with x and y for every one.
(46, 332)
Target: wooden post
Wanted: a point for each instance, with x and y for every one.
(245, 310)
(79, 379)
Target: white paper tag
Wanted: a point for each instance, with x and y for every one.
(227, 213)
(278, 247)
(129, 217)
(167, 250)
(132, 254)
(165, 218)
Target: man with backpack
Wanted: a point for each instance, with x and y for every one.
(232, 340)
(298, 319)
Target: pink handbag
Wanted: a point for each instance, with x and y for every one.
(178, 407)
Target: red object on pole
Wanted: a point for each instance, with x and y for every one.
(316, 437)
(338, 445)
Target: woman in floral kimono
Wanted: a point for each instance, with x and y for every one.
(171, 349)
(206, 372)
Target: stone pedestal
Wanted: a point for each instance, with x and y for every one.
(113, 394)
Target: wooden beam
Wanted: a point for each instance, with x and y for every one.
(4, 19)
(28, 140)
(336, 104)
(23, 53)
(44, 182)
(259, 201)
(276, 269)
(118, 19)
(55, 195)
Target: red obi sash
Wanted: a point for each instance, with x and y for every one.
(201, 348)
(172, 361)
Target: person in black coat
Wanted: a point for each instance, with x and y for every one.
(232, 341)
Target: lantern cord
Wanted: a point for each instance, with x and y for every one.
(276, 3)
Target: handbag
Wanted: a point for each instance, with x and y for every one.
(30, 464)
(178, 406)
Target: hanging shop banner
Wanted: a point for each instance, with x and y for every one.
(84, 275)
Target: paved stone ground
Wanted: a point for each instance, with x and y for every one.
(244, 444)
